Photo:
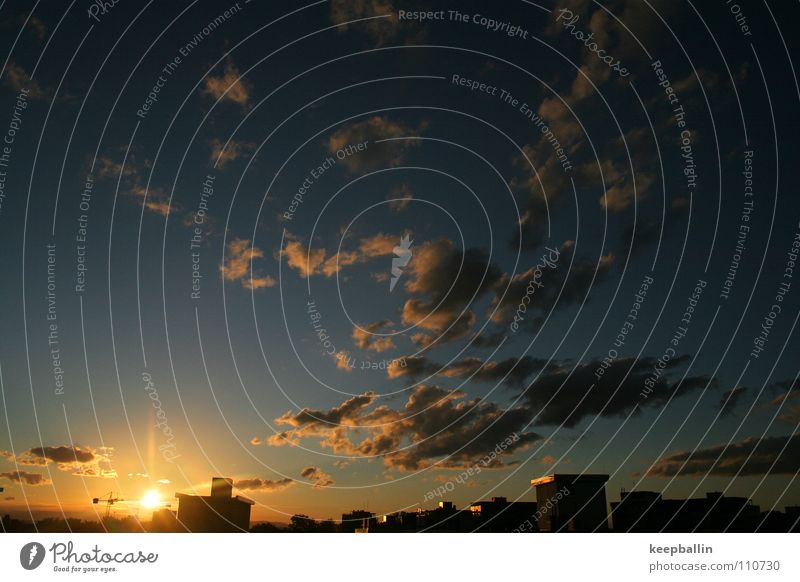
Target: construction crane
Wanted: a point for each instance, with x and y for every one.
(109, 500)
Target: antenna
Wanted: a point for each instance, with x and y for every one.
(109, 501)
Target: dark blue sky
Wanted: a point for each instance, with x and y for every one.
(130, 132)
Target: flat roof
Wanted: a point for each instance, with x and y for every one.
(570, 477)
(210, 498)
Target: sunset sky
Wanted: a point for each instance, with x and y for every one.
(196, 253)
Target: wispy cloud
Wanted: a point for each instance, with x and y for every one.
(230, 86)
(263, 485)
(222, 155)
(19, 80)
(26, 478)
(82, 461)
(776, 455)
(365, 338)
(317, 476)
(380, 29)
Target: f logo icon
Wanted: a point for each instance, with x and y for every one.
(31, 555)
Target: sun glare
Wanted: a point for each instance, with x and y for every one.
(151, 499)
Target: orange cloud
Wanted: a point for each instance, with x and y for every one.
(18, 79)
(366, 339)
(236, 267)
(222, 154)
(299, 257)
(230, 86)
(317, 262)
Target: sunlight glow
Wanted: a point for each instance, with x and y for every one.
(151, 499)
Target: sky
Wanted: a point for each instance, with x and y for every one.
(379, 254)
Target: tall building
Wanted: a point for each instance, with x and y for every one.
(218, 512)
(575, 503)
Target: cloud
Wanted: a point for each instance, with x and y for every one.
(778, 455)
(62, 454)
(318, 262)
(317, 476)
(546, 190)
(431, 428)
(81, 461)
(38, 27)
(221, 155)
(342, 360)
(19, 80)
(790, 407)
(567, 394)
(400, 198)
(380, 29)
(153, 199)
(514, 370)
(310, 422)
(730, 399)
(788, 400)
(376, 155)
(624, 190)
(236, 266)
(558, 287)
(447, 326)
(378, 245)
(106, 167)
(23, 477)
(544, 185)
(300, 258)
(449, 279)
(264, 485)
(618, 178)
(365, 338)
(547, 182)
(229, 86)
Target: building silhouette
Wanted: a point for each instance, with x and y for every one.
(574, 503)
(218, 512)
(445, 518)
(500, 515)
(357, 521)
(648, 511)
(565, 502)
(402, 521)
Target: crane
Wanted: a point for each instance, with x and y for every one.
(109, 500)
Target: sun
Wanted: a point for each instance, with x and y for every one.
(151, 499)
